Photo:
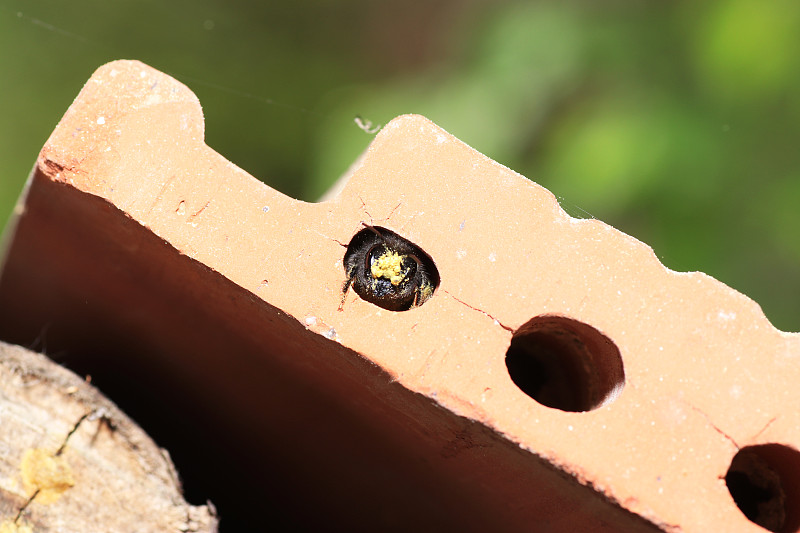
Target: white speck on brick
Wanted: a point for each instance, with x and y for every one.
(461, 254)
(736, 392)
(101, 120)
(492, 257)
(310, 321)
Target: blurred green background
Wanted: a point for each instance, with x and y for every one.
(677, 122)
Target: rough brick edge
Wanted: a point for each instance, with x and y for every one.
(581, 269)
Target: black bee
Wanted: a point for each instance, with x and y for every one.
(388, 271)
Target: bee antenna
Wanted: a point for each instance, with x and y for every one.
(372, 229)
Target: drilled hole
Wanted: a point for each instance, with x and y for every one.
(764, 481)
(387, 270)
(565, 364)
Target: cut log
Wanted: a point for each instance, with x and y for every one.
(72, 461)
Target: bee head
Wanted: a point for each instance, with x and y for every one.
(388, 270)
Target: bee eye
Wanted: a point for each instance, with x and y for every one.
(409, 266)
(388, 270)
(374, 255)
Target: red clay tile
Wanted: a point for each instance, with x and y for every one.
(651, 380)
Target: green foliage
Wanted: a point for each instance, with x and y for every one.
(676, 122)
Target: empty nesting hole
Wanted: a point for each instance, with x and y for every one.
(764, 481)
(565, 364)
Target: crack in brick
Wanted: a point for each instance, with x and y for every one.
(728, 437)
(480, 311)
(334, 239)
(714, 426)
(160, 196)
(199, 211)
(762, 430)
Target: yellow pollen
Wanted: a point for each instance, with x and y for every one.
(45, 474)
(389, 266)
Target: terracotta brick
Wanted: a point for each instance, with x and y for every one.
(653, 380)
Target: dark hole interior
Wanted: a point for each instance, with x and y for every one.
(763, 482)
(565, 364)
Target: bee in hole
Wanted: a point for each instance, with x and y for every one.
(388, 271)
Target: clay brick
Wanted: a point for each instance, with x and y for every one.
(135, 233)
